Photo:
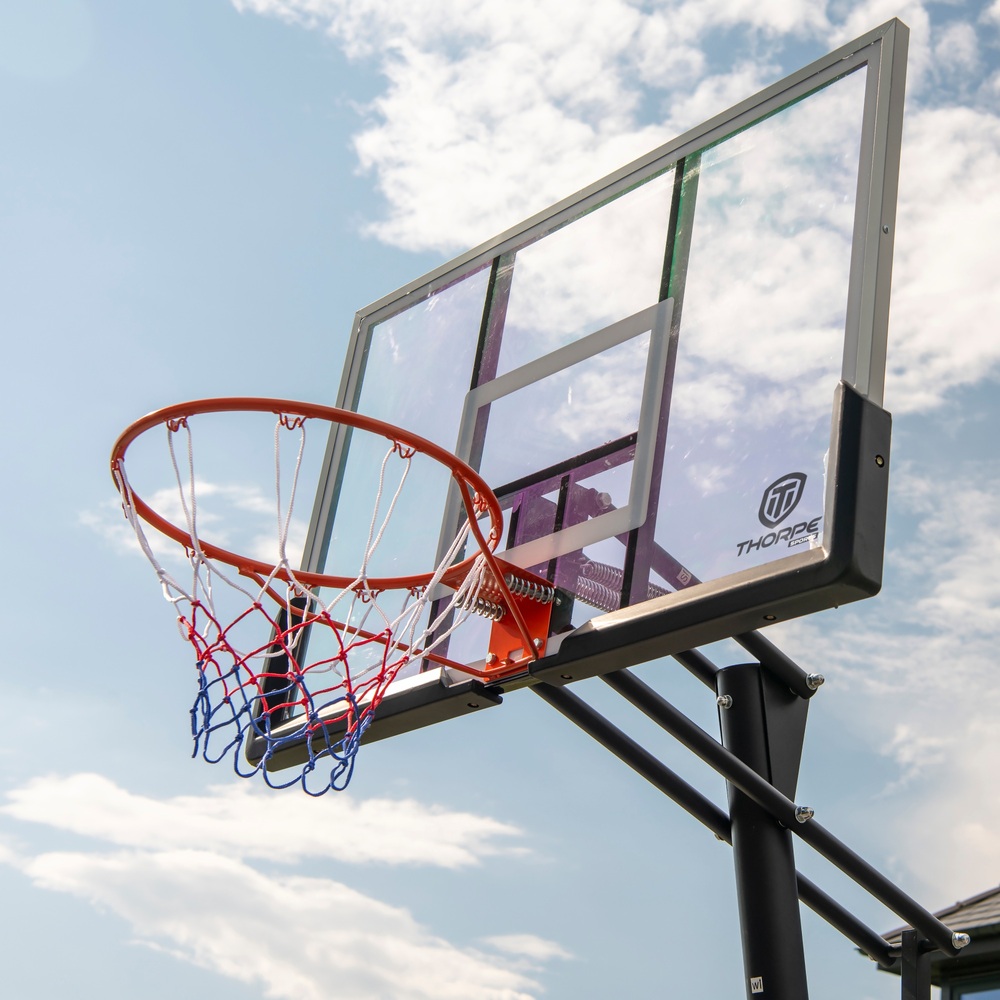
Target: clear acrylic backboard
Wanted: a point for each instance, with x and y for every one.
(672, 381)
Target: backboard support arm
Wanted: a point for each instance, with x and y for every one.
(696, 804)
(763, 725)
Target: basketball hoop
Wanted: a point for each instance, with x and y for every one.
(251, 631)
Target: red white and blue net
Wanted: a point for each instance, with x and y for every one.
(289, 662)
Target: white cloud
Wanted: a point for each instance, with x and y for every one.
(915, 680)
(527, 945)
(181, 872)
(465, 147)
(915, 751)
(956, 555)
(240, 820)
(956, 49)
(492, 113)
(946, 301)
(295, 937)
(241, 518)
(707, 96)
(489, 115)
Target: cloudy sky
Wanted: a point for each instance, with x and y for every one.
(195, 197)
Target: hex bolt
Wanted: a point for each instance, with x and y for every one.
(803, 814)
(537, 643)
(885, 229)
(724, 701)
(491, 659)
(960, 940)
(880, 461)
(815, 681)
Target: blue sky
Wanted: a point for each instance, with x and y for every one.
(191, 189)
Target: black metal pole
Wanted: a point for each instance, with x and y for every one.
(699, 665)
(915, 968)
(770, 927)
(871, 943)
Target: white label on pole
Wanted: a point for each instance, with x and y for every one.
(756, 984)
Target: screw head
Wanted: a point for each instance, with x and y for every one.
(724, 701)
(815, 681)
(770, 618)
(491, 659)
(885, 229)
(537, 643)
(803, 814)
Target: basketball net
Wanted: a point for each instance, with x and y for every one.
(252, 626)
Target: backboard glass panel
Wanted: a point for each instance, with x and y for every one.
(672, 380)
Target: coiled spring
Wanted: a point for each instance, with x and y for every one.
(600, 585)
(481, 606)
(520, 587)
(597, 595)
(602, 573)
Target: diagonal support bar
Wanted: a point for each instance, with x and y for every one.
(780, 807)
(638, 758)
(703, 809)
(778, 663)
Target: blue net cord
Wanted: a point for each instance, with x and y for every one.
(330, 763)
(286, 704)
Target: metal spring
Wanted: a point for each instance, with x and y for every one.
(602, 573)
(609, 578)
(597, 595)
(520, 587)
(612, 578)
(481, 606)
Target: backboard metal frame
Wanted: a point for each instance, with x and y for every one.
(848, 564)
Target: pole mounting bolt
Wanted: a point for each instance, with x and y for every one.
(815, 681)
(803, 814)
(960, 940)
(724, 701)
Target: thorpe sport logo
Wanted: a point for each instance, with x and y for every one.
(781, 498)
(777, 502)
